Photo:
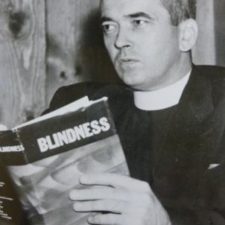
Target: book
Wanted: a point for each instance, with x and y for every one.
(46, 156)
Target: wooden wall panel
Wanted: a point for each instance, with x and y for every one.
(61, 44)
(75, 48)
(211, 19)
(22, 60)
(205, 50)
(219, 11)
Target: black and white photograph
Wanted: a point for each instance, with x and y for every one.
(112, 112)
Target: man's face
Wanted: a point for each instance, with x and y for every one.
(141, 41)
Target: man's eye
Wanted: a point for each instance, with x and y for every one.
(140, 22)
(108, 28)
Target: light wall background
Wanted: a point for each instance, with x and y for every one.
(210, 48)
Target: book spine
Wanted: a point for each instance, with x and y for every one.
(11, 149)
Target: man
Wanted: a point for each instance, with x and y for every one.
(170, 118)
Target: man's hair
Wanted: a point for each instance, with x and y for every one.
(180, 10)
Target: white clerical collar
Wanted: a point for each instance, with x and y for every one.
(162, 98)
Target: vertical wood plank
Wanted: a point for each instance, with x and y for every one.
(219, 11)
(75, 48)
(205, 51)
(91, 52)
(61, 44)
(22, 60)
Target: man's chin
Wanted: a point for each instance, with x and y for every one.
(134, 84)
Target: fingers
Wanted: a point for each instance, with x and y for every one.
(98, 193)
(121, 212)
(115, 180)
(107, 219)
(112, 206)
(117, 219)
(127, 201)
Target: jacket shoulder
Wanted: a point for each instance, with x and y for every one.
(67, 94)
(213, 73)
(216, 76)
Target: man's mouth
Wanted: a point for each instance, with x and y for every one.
(127, 60)
(126, 63)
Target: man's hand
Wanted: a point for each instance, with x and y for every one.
(125, 201)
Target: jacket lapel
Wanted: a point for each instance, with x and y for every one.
(195, 106)
(197, 96)
(182, 157)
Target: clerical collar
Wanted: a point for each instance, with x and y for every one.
(162, 98)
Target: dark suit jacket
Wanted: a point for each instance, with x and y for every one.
(188, 170)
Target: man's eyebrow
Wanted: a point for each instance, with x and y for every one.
(105, 19)
(132, 15)
(139, 14)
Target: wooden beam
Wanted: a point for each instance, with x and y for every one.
(205, 50)
(75, 48)
(219, 7)
(22, 60)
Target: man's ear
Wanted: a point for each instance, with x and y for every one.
(188, 33)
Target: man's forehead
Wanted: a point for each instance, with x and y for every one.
(110, 8)
(124, 3)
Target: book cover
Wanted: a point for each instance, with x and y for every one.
(46, 157)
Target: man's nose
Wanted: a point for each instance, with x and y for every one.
(122, 39)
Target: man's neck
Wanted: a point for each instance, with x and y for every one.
(177, 72)
(164, 97)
